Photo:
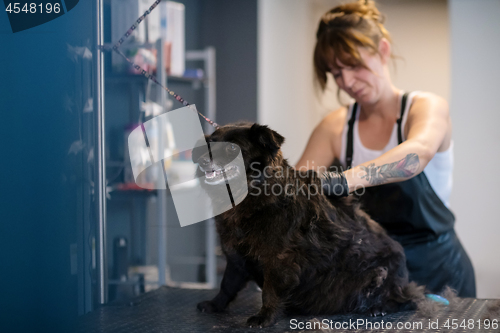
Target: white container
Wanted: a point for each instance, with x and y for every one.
(173, 32)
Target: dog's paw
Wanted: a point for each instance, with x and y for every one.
(378, 276)
(381, 276)
(260, 321)
(208, 307)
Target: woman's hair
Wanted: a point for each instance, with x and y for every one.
(341, 31)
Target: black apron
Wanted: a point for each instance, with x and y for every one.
(415, 216)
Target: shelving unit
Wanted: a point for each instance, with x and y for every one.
(207, 58)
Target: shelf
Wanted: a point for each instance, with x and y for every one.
(185, 79)
(171, 78)
(130, 187)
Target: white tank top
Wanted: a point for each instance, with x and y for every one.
(439, 170)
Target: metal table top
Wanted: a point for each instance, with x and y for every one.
(174, 310)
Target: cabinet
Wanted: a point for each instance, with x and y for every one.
(146, 246)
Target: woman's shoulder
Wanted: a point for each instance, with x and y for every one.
(427, 105)
(334, 121)
(429, 110)
(422, 98)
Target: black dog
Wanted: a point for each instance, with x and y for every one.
(310, 254)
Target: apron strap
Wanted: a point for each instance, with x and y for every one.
(350, 131)
(349, 151)
(400, 120)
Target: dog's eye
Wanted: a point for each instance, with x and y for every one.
(232, 147)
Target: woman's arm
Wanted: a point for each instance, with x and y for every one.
(320, 150)
(428, 124)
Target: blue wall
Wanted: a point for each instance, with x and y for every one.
(40, 105)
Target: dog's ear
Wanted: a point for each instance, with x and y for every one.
(268, 138)
(200, 148)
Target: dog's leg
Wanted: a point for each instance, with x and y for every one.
(235, 279)
(277, 283)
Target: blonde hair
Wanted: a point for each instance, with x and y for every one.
(341, 31)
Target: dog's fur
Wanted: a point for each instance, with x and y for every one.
(310, 254)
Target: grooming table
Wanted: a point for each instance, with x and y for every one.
(174, 310)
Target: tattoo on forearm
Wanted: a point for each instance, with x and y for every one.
(403, 168)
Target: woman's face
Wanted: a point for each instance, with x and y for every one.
(362, 84)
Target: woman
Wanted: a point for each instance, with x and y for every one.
(395, 146)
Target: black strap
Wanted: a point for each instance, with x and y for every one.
(349, 150)
(348, 154)
(400, 120)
